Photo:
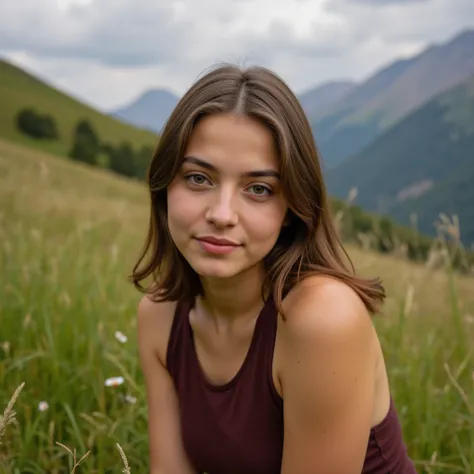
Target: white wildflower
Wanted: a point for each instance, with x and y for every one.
(43, 406)
(121, 337)
(114, 381)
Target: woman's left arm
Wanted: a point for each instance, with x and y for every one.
(328, 379)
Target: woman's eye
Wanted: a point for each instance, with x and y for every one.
(198, 179)
(260, 190)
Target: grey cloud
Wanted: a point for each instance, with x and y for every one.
(122, 33)
(281, 39)
(114, 32)
(169, 42)
(407, 21)
(382, 3)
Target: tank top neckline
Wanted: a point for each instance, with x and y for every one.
(222, 387)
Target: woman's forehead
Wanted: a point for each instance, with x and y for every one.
(236, 141)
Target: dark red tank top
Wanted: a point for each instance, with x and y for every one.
(237, 427)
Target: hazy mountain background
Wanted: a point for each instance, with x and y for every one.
(150, 111)
(374, 106)
(424, 164)
(321, 97)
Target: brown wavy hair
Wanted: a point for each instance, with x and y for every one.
(308, 245)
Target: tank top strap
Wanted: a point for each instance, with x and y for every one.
(178, 332)
(265, 341)
(265, 328)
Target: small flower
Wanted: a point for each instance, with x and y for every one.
(43, 406)
(121, 337)
(114, 381)
(130, 399)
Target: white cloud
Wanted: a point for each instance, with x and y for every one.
(107, 51)
(387, 2)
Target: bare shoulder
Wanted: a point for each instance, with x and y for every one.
(324, 308)
(154, 321)
(327, 372)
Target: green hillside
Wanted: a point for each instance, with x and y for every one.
(431, 148)
(19, 90)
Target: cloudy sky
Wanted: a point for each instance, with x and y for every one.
(106, 52)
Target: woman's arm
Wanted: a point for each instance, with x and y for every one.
(167, 455)
(328, 379)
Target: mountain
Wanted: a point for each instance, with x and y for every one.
(375, 105)
(151, 110)
(19, 89)
(423, 164)
(317, 99)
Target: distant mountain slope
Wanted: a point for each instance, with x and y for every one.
(454, 195)
(415, 165)
(151, 110)
(18, 89)
(385, 98)
(318, 99)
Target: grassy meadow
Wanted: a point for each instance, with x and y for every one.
(69, 236)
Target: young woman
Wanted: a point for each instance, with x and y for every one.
(255, 336)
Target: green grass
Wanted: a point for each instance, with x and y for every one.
(68, 238)
(19, 90)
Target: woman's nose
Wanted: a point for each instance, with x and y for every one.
(222, 211)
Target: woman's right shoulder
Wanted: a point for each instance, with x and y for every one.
(154, 321)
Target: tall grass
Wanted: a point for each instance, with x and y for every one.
(68, 238)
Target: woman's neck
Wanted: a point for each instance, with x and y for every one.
(232, 299)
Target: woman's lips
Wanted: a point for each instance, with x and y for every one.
(217, 245)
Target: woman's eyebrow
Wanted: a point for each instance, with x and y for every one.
(251, 174)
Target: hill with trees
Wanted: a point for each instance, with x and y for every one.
(20, 90)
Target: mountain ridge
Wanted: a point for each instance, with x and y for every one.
(390, 94)
(150, 110)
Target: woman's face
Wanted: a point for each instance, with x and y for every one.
(226, 205)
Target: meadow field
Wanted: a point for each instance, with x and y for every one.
(69, 236)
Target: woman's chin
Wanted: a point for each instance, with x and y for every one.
(216, 269)
(223, 272)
